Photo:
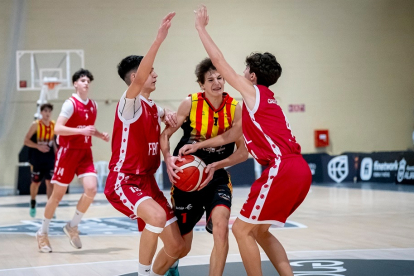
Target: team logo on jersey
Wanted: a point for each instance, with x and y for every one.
(152, 148)
(366, 168)
(338, 168)
(271, 101)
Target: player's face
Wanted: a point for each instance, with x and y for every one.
(213, 84)
(46, 113)
(151, 81)
(82, 84)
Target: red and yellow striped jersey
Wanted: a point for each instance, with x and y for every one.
(205, 121)
(44, 133)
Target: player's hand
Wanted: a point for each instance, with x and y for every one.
(88, 131)
(105, 136)
(170, 118)
(210, 170)
(165, 25)
(43, 148)
(201, 17)
(172, 169)
(188, 149)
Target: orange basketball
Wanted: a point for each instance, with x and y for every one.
(193, 173)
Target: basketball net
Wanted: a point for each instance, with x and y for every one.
(51, 90)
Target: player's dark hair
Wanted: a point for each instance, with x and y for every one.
(82, 73)
(127, 66)
(265, 66)
(202, 68)
(46, 105)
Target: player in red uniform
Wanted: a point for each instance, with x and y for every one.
(285, 183)
(131, 187)
(75, 126)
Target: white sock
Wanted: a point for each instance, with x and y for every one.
(45, 226)
(144, 270)
(76, 218)
(155, 274)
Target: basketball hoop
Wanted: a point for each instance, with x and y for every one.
(51, 87)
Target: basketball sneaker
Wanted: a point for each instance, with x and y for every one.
(173, 271)
(32, 208)
(73, 234)
(43, 242)
(32, 212)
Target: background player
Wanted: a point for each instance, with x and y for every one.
(42, 148)
(75, 126)
(285, 183)
(131, 187)
(202, 116)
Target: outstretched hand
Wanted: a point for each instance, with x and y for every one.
(165, 25)
(201, 17)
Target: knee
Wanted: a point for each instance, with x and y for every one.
(56, 198)
(239, 231)
(158, 219)
(91, 191)
(185, 250)
(221, 232)
(177, 250)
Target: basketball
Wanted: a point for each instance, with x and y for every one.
(193, 173)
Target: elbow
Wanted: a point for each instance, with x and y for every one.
(57, 130)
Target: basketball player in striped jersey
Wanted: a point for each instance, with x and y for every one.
(75, 126)
(42, 148)
(131, 187)
(203, 116)
(285, 183)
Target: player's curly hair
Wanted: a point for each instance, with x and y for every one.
(127, 66)
(202, 68)
(82, 73)
(265, 66)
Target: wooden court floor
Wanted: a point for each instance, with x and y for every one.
(332, 223)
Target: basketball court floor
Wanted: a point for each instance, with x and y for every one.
(339, 230)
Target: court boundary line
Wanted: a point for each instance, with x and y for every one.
(262, 255)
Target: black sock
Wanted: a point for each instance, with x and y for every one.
(33, 203)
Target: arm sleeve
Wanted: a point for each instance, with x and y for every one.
(128, 108)
(67, 109)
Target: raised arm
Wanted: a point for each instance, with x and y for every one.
(182, 114)
(240, 83)
(231, 135)
(146, 64)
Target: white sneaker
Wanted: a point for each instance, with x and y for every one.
(43, 242)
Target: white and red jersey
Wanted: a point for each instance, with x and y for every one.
(136, 135)
(80, 114)
(266, 130)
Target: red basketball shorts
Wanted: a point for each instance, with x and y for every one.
(278, 192)
(69, 162)
(126, 191)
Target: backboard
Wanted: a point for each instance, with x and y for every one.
(33, 66)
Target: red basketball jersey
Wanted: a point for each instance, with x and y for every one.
(135, 142)
(83, 115)
(266, 130)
